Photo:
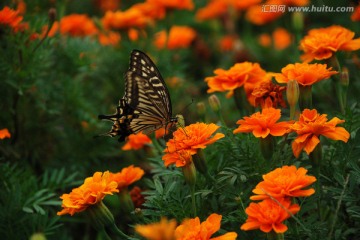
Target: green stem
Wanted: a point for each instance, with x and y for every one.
(193, 202)
(292, 112)
(305, 100)
(316, 158)
(117, 232)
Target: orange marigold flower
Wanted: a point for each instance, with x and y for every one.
(304, 73)
(264, 40)
(77, 25)
(193, 229)
(164, 230)
(4, 133)
(295, 2)
(268, 95)
(127, 176)
(269, 215)
(136, 141)
(175, 4)
(260, 16)
(136, 197)
(356, 14)
(287, 181)
(132, 17)
(321, 43)
(227, 43)
(179, 37)
(310, 126)
(10, 17)
(180, 158)
(281, 38)
(91, 192)
(246, 73)
(108, 5)
(213, 9)
(243, 5)
(151, 10)
(193, 137)
(160, 39)
(264, 123)
(109, 38)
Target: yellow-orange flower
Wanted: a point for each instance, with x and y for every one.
(287, 181)
(321, 43)
(269, 215)
(267, 95)
(175, 4)
(193, 137)
(136, 141)
(109, 38)
(77, 25)
(91, 192)
(132, 17)
(356, 14)
(4, 133)
(193, 229)
(263, 124)
(246, 73)
(310, 126)
(178, 37)
(10, 17)
(212, 10)
(281, 38)
(304, 73)
(163, 230)
(127, 176)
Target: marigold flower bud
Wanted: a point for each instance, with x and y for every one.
(180, 121)
(344, 77)
(200, 162)
(52, 14)
(189, 172)
(292, 92)
(201, 108)
(38, 236)
(298, 21)
(214, 103)
(292, 95)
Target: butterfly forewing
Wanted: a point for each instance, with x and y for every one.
(143, 70)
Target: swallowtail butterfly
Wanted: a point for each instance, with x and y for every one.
(146, 105)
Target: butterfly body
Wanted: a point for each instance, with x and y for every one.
(146, 105)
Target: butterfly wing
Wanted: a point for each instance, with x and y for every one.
(146, 105)
(146, 92)
(121, 119)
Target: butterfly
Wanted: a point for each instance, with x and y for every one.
(146, 104)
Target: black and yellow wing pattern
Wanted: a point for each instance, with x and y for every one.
(146, 105)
